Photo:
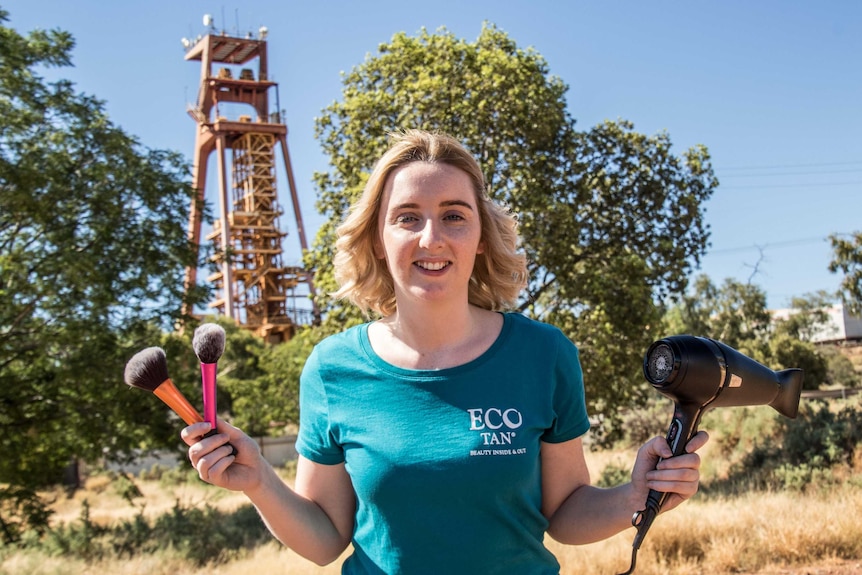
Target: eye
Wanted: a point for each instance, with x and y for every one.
(405, 219)
(454, 217)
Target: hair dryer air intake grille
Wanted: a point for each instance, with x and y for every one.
(661, 364)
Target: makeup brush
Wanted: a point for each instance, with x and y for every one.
(148, 370)
(208, 343)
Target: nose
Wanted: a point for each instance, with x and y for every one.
(431, 236)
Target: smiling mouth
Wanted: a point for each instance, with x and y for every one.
(432, 266)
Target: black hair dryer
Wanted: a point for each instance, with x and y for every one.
(699, 374)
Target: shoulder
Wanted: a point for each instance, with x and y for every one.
(344, 346)
(526, 327)
(542, 342)
(349, 337)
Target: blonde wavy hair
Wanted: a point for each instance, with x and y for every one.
(500, 271)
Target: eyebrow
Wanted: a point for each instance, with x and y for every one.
(446, 203)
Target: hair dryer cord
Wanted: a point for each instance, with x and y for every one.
(642, 521)
(634, 562)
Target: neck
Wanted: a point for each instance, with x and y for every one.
(435, 339)
(428, 330)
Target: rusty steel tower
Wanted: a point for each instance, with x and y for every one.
(253, 286)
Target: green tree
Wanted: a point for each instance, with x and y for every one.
(839, 371)
(92, 253)
(786, 351)
(792, 344)
(261, 381)
(809, 316)
(736, 315)
(611, 220)
(847, 258)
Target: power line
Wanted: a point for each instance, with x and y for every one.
(785, 166)
(752, 172)
(812, 185)
(790, 174)
(783, 244)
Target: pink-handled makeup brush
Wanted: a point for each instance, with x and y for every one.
(208, 343)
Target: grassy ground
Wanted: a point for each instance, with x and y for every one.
(780, 533)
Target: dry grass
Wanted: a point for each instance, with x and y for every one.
(107, 506)
(759, 533)
(756, 533)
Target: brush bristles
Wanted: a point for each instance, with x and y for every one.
(208, 342)
(147, 369)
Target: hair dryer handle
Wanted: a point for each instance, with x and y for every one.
(682, 428)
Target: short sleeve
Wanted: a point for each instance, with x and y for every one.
(315, 440)
(569, 402)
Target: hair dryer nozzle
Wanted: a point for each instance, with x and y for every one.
(790, 389)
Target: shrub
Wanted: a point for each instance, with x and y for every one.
(799, 453)
(613, 474)
(198, 535)
(81, 539)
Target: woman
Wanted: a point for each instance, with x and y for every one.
(446, 436)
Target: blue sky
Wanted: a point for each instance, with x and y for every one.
(773, 89)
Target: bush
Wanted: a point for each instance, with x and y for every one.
(641, 425)
(21, 510)
(613, 474)
(198, 535)
(82, 539)
(812, 451)
(823, 435)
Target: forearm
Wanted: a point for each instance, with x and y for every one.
(297, 522)
(592, 514)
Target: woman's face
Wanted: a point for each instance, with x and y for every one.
(429, 232)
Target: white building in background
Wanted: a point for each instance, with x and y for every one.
(840, 325)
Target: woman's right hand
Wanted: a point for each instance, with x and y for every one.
(214, 459)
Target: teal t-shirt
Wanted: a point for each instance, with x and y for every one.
(445, 463)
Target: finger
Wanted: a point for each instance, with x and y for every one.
(684, 489)
(218, 468)
(193, 433)
(225, 427)
(696, 442)
(685, 461)
(207, 445)
(659, 448)
(212, 465)
(677, 474)
(669, 472)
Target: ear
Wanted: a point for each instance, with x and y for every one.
(481, 248)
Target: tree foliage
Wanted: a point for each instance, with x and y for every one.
(259, 383)
(92, 253)
(611, 220)
(736, 315)
(847, 258)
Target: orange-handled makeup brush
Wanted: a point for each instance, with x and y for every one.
(148, 370)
